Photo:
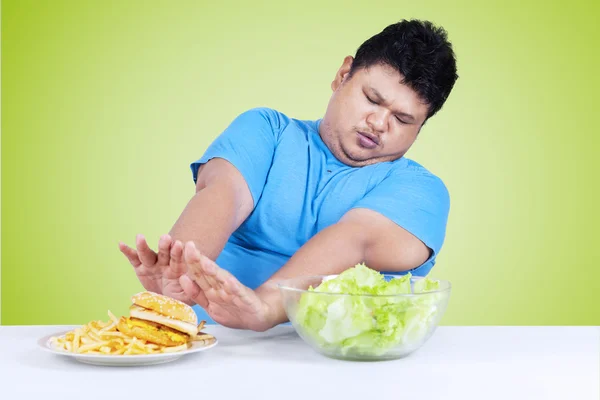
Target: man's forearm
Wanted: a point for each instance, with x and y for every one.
(331, 251)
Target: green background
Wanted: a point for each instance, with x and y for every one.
(105, 104)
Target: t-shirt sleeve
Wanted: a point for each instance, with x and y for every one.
(418, 201)
(249, 144)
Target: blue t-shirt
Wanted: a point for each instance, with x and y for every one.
(299, 188)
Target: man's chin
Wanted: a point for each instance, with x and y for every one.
(357, 157)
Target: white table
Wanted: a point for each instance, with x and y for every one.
(457, 363)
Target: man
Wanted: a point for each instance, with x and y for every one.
(278, 197)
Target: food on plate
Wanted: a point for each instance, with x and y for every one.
(160, 319)
(156, 324)
(370, 314)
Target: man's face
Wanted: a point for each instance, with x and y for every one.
(371, 117)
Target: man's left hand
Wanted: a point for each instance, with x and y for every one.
(224, 298)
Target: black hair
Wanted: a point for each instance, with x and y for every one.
(420, 52)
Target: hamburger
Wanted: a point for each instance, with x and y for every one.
(160, 319)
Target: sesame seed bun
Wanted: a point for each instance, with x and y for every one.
(166, 306)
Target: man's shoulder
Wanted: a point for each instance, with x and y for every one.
(414, 173)
(278, 120)
(412, 166)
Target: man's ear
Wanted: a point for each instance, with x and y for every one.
(342, 73)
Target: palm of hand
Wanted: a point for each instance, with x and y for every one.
(224, 298)
(230, 310)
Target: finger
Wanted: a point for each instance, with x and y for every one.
(131, 254)
(193, 291)
(147, 256)
(227, 281)
(210, 269)
(195, 271)
(225, 284)
(177, 263)
(164, 247)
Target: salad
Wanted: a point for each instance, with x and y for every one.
(368, 325)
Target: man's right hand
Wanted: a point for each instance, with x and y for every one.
(160, 272)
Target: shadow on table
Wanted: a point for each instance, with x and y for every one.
(279, 343)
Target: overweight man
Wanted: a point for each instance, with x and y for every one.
(278, 197)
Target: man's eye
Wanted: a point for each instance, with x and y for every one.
(399, 120)
(370, 101)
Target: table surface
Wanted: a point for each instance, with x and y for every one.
(456, 363)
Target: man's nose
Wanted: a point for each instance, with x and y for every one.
(377, 121)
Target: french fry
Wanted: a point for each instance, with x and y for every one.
(86, 340)
(203, 336)
(112, 333)
(112, 317)
(120, 351)
(107, 328)
(93, 346)
(76, 337)
(94, 335)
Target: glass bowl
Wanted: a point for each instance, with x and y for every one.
(363, 326)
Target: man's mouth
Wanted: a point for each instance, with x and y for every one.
(367, 140)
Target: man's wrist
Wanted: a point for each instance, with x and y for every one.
(271, 296)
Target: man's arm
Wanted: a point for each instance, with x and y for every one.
(221, 204)
(361, 235)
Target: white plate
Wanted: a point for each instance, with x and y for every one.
(123, 360)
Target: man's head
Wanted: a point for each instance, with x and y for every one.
(397, 80)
